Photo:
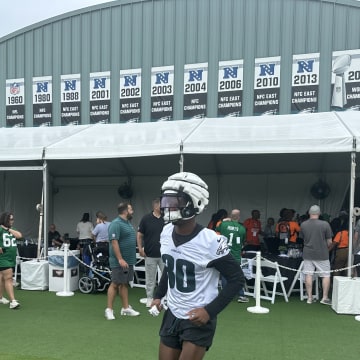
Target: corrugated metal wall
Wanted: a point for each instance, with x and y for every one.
(129, 34)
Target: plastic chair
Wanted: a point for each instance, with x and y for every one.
(139, 272)
(275, 279)
(247, 267)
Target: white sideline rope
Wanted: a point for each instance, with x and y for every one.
(93, 269)
(250, 261)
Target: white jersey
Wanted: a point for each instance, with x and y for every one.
(190, 283)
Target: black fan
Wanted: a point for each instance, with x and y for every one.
(320, 190)
(125, 190)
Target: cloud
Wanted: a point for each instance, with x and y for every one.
(21, 13)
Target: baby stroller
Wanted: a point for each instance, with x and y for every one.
(98, 276)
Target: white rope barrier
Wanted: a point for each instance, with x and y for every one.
(248, 263)
(67, 253)
(92, 268)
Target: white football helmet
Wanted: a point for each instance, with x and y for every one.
(184, 195)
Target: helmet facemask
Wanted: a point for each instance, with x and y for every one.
(175, 206)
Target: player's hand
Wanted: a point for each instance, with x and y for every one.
(198, 316)
(157, 303)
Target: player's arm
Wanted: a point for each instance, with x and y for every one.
(15, 233)
(231, 270)
(161, 291)
(162, 287)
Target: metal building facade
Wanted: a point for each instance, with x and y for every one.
(131, 34)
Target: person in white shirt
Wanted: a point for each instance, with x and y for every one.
(84, 230)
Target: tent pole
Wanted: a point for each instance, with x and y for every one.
(45, 206)
(181, 161)
(40, 208)
(351, 209)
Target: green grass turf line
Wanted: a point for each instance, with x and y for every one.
(50, 327)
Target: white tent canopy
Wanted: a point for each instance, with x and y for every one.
(123, 140)
(266, 162)
(286, 134)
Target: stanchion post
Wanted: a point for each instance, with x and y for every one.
(257, 309)
(66, 291)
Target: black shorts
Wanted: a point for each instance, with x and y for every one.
(174, 331)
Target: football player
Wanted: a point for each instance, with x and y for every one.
(194, 258)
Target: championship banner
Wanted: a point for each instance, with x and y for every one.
(195, 90)
(305, 83)
(42, 101)
(162, 93)
(130, 95)
(267, 86)
(15, 103)
(345, 80)
(70, 95)
(230, 88)
(100, 97)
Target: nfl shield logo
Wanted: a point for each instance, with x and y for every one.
(14, 88)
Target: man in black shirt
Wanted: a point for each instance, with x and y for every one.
(148, 242)
(54, 237)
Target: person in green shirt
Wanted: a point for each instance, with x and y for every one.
(8, 252)
(235, 233)
(122, 258)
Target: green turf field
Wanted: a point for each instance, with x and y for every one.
(52, 327)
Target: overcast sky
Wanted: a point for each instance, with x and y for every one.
(16, 14)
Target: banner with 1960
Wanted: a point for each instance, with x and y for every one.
(15, 103)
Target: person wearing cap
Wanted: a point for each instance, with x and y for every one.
(317, 235)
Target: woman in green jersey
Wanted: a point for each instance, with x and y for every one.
(8, 252)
